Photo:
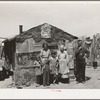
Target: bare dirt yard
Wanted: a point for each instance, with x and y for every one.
(92, 82)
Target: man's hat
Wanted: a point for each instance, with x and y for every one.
(88, 42)
(79, 39)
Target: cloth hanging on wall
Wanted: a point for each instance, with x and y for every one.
(27, 46)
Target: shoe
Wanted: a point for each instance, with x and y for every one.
(77, 82)
(44, 85)
(56, 82)
(19, 87)
(48, 84)
(68, 82)
(83, 82)
(37, 85)
(2, 79)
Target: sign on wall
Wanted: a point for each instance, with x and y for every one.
(45, 31)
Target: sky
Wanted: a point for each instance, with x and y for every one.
(76, 18)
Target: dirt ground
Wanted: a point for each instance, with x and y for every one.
(92, 77)
(92, 82)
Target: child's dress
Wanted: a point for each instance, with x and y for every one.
(63, 60)
(70, 50)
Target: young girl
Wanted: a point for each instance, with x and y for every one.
(45, 54)
(63, 60)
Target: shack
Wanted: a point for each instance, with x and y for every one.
(21, 50)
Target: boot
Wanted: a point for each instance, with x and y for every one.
(68, 81)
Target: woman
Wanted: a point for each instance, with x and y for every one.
(63, 68)
(45, 54)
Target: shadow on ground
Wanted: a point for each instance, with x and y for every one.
(87, 78)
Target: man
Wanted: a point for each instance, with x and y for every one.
(80, 63)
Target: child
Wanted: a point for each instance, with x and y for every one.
(37, 72)
(54, 68)
(63, 60)
(44, 55)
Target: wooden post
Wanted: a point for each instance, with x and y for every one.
(15, 62)
(94, 50)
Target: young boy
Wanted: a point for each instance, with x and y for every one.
(37, 72)
(54, 68)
